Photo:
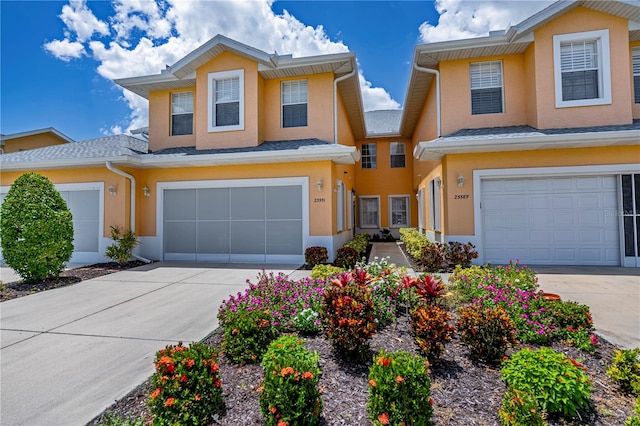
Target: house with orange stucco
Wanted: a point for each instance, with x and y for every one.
(525, 142)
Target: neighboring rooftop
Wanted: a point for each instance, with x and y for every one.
(383, 122)
(51, 130)
(106, 147)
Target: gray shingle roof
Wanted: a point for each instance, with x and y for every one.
(265, 146)
(106, 147)
(487, 132)
(383, 121)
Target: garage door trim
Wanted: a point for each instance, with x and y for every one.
(536, 172)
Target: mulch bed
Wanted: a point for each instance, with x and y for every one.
(464, 392)
(72, 276)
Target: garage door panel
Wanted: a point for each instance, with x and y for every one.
(85, 237)
(180, 237)
(213, 237)
(247, 203)
(247, 237)
(84, 205)
(180, 204)
(565, 220)
(213, 204)
(284, 237)
(279, 205)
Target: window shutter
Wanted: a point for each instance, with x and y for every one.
(636, 74)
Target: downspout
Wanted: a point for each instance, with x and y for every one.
(335, 103)
(133, 201)
(437, 74)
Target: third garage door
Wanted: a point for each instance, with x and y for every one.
(237, 224)
(551, 221)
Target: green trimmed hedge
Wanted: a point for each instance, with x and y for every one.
(413, 241)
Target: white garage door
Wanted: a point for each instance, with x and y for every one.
(85, 208)
(551, 221)
(238, 224)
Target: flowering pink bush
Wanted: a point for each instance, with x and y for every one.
(283, 297)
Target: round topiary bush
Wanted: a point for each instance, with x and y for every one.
(36, 228)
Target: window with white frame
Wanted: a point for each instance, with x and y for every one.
(486, 87)
(398, 211)
(582, 69)
(226, 101)
(294, 103)
(369, 158)
(370, 212)
(635, 60)
(181, 113)
(397, 154)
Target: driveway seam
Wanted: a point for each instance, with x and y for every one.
(39, 333)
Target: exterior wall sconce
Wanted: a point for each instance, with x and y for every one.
(439, 182)
(319, 185)
(460, 181)
(145, 191)
(112, 190)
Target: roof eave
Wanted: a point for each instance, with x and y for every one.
(438, 148)
(65, 163)
(38, 132)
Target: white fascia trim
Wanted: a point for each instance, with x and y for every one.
(339, 155)
(438, 148)
(285, 62)
(549, 12)
(66, 163)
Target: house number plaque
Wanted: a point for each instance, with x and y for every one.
(460, 196)
(319, 200)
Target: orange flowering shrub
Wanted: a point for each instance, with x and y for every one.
(290, 393)
(349, 313)
(399, 390)
(187, 389)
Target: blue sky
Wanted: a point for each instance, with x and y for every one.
(58, 58)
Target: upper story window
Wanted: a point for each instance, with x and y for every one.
(369, 160)
(635, 59)
(486, 87)
(294, 103)
(226, 101)
(182, 113)
(582, 69)
(397, 154)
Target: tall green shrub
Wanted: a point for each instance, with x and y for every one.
(36, 228)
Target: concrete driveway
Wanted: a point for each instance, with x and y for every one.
(612, 294)
(67, 354)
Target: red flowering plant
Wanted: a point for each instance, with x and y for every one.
(186, 385)
(399, 390)
(290, 394)
(348, 314)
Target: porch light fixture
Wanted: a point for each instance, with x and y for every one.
(145, 191)
(439, 183)
(460, 181)
(112, 190)
(319, 185)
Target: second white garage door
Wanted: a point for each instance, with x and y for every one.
(237, 224)
(551, 221)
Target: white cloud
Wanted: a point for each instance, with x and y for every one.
(473, 18)
(151, 34)
(65, 50)
(81, 21)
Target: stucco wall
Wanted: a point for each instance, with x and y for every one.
(581, 20)
(160, 121)
(31, 142)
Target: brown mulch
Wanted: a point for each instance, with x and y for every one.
(17, 289)
(464, 392)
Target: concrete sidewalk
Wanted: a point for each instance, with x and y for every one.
(67, 354)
